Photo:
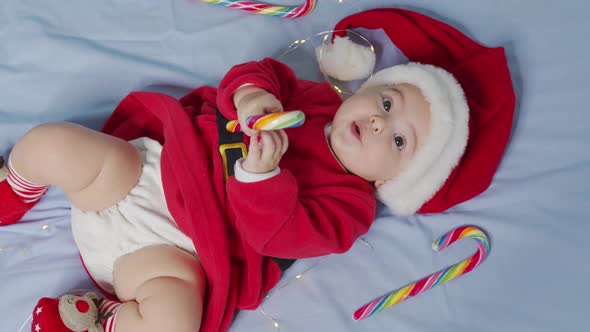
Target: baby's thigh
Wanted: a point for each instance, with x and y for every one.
(166, 282)
(133, 270)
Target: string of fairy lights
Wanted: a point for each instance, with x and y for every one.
(275, 321)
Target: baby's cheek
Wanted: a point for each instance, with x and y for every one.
(388, 164)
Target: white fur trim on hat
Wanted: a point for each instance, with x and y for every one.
(447, 138)
(345, 60)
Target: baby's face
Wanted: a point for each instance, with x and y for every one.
(377, 131)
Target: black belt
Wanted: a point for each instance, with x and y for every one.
(231, 149)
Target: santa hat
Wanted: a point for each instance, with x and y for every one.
(471, 101)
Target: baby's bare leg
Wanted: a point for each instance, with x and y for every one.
(162, 289)
(95, 170)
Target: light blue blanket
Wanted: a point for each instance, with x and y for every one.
(74, 60)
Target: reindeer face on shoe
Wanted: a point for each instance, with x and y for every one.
(73, 313)
(80, 313)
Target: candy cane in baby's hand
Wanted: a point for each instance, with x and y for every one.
(272, 121)
(440, 277)
(268, 9)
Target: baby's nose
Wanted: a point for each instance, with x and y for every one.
(377, 124)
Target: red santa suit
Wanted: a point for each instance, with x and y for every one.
(312, 207)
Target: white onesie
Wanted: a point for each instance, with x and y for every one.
(138, 220)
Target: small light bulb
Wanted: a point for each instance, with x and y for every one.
(298, 276)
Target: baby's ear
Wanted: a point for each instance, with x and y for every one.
(379, 183)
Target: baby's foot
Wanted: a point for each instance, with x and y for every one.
(12, 206)
(74, 313)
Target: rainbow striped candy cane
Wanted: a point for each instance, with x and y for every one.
(268, 9)
(272, 121)
(438, 278)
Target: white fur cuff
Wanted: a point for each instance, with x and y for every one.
(243, 175)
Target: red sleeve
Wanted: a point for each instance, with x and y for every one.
(279, 221)
(268, 74)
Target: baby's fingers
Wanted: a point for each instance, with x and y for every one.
(249, 131)
(272, 104)
(255, 147)
(284, 141)
(269, 144)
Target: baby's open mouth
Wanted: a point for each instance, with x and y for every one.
(356, 130)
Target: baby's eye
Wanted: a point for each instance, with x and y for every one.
(399, 141)
(386, 104)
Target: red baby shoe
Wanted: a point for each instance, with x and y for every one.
(12, 208)
(70, 313)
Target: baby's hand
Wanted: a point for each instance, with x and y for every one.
(265, 151)
(250, 100)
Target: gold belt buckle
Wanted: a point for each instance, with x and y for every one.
(222, 150)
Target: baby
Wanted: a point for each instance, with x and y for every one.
(178, 239)
(323, 199)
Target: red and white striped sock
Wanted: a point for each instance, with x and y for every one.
(28, 191)
(109, 310)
